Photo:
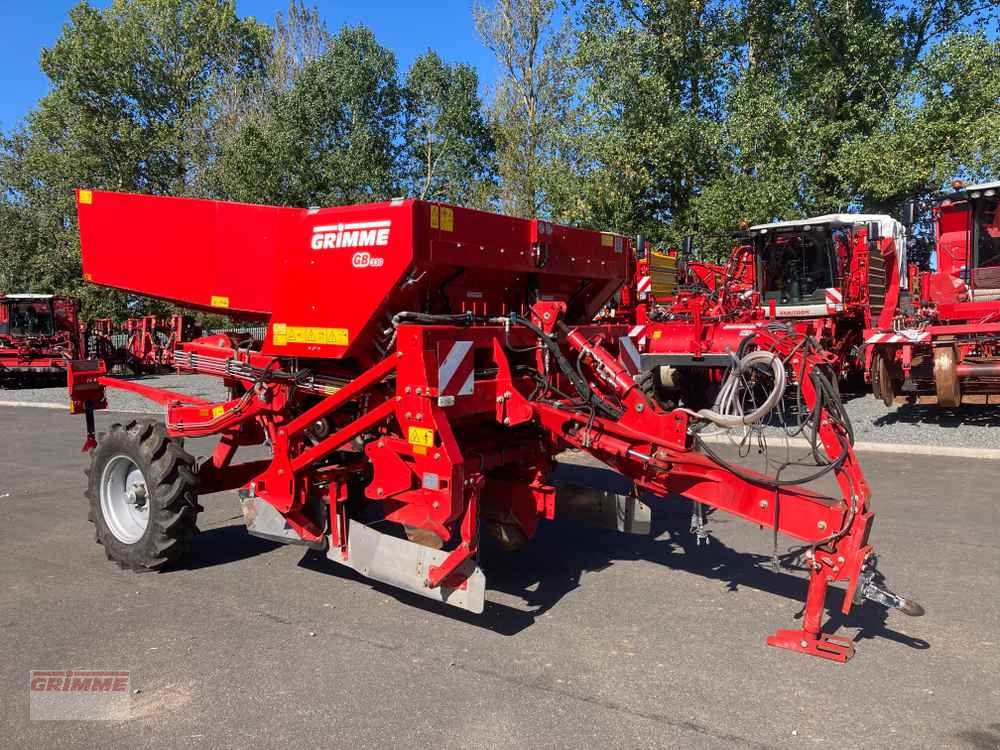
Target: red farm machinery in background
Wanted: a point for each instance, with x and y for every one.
(829, 278)
(39, 333)
(140, 345)
(947, 343)
(423, 366)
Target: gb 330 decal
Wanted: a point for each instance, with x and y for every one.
(366, 260)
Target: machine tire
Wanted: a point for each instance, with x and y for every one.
(882, 386)
(649, 384)
(168, 489)
(946, 382)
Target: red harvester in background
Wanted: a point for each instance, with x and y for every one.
(101, 343)
(38, 334)
(149, 342)
(948, 345)
(828, 277)
(423, 366)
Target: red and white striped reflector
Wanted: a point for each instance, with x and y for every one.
(834, 300)
(914, 337)
(456, 368)
(639, 334)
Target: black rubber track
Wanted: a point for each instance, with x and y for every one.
(172, 494)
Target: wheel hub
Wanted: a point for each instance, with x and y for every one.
(124, 496)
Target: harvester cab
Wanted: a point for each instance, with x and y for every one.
(27, 316)
(968, 246)
(830, 265)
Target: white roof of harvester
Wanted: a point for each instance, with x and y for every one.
(890, 227)
(983, 186)
(26, 296)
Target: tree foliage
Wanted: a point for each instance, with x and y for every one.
(127, 102)
(664, 117)
(719, 110)
(655, 74)
(448, 151)
(330, 137)
(533, 96)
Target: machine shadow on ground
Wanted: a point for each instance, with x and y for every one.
(981, 739)
(221, 545)
(981, 415)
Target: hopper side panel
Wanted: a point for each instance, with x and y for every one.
(202, 254)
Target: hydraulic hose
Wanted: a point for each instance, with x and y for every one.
(728, 411)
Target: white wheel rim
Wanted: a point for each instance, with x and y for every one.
(124, 499)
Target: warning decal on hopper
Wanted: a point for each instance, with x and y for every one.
(283, 335)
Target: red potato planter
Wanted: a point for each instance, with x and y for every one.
(423, 366)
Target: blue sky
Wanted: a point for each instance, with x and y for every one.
(408, 27)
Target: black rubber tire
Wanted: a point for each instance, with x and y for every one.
(648, 383)
(173, 498)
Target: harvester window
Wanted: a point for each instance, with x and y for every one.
(797, 267)
(987, 234)
(30, 319)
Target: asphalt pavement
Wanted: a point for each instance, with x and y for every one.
(589, 638)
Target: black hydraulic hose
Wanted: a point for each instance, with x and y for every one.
(580, 383)
(430, 319)
(770, 483)
(832, 401)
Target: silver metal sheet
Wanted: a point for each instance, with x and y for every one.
(404, 564)
(263, 521)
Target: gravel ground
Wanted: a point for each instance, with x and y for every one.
(972, 426)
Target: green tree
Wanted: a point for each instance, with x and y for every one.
(701, 113)
(448, 145)
(946, 123)
(655, 75)
(129, 87)
(831, 106)
(241, 101)
(330, 138)
(533, 97)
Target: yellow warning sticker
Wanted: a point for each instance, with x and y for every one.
(607, 240)
(218, 411)
(282, 335)
(435, 222)
(86, 197)
(420, 436)
(447, 219)
(218, 301)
